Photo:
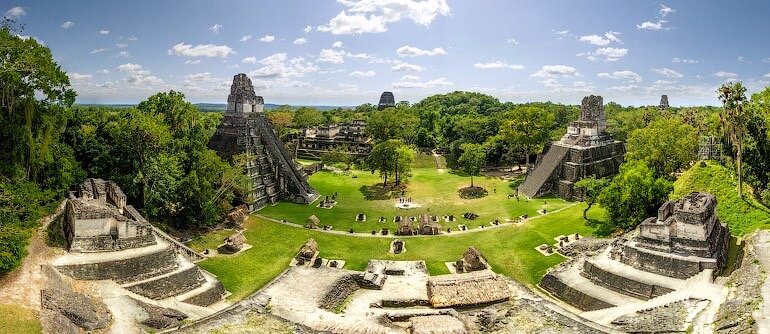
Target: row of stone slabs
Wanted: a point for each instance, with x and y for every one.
(561, 241)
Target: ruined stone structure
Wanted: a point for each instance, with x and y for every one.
(97, 219)
(472, 261)
(245, 129)
(684, 239)
(386, 101)
(670, 258)
(663, 102)
(348, 136)
(585, 150)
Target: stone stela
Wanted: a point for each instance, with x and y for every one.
(585, 150)
(271, 169)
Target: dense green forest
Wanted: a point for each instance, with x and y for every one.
(157, 150)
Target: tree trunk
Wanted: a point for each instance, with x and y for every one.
(471, 181)
(585, 211)
(740, 176)
(527, 159)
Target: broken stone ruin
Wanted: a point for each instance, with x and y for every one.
(670, 258)
(133, 264)
(271, 168)
(386, 101)
(585, 150)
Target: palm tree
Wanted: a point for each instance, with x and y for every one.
(733, 119)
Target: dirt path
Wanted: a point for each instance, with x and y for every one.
(23, 285)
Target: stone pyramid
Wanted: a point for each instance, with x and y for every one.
(245, 129)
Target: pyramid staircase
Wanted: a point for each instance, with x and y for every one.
(549, 164)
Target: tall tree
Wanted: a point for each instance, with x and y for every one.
(734, 120)
(667, 145)
(472, 159)
(390, 158)
(591, 188)
(527, 127)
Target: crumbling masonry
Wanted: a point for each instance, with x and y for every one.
(245, 129)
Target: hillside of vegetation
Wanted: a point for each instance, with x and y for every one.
(743, 216)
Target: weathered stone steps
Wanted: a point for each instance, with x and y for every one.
(208, 293)
(134, 265)
(172, 284)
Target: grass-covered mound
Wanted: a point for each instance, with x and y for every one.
(510, 250)
(741, 215)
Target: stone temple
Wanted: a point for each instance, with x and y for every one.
(663, 102)
(245, 129)
(585, 150)
(386, 101)
(670, 258)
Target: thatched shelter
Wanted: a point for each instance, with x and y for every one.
(312, 222)
(471, 289)
(235, 242)
(428, 227)
(437, 324)
(237, 216)
(472, 260)
(308, 250)
(404, 227)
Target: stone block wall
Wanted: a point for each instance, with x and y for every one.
(338, 293)
(130, 269)
(556, 287)
(622, 284)
(677, 267)
(172, 285)
(208, 297)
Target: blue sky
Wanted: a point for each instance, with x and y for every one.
(346, 52)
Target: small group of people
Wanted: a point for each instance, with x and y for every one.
(405, 200)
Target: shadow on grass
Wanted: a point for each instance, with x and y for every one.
(734, 256)
(380, 192)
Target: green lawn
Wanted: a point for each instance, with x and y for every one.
(18, 320)
(510, 250)
(436, 192)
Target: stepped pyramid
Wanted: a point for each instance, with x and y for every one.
(586, 149)
(245, 129)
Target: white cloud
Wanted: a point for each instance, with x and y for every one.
(124, 54)
(766, 60)
(742, 59)
(249, 60)
(300, 41)
(307, 29)
(624, 88)
(337, 44)
(767, 75)
(498, 65)
(552, 71)
(622, 75)
(362, 74)
(215, 28)
(406, 67)
(245, 38)
(664, 11)
(358, 56)
(410, 51)
(94, 51)
(331, 56)
(200, 50)
(667, 72)
(103, 71)
(15, 12)
(561, 33)
(658, 25)
(409, 77)
(104, 32)
(132, 38)
(131, 68)
(512, 41)
(80, 77)
(609, 37)
(198, 77)
(725, 75)
(267, 38)
(684, 61)
(612, 53)
(440, 82)
(121, 45)
(279, 66)
(373, 16)
(67, 25)
(234, 66)
(192, 62)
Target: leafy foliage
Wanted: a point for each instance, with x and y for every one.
(666, 145)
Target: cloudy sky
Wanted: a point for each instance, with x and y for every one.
(346, 52)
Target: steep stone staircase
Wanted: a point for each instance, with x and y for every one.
(695, 287)
(544, 170)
